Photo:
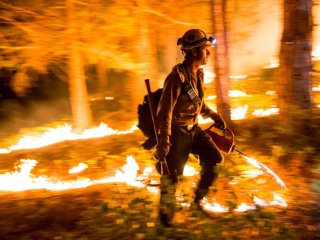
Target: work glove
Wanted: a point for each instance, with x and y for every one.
(218, 121)
(163, 147)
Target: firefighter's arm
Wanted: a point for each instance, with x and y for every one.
(216, 117)
(170, 94)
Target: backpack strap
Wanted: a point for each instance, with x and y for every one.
(185, 84)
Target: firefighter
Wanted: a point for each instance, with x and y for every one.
(179, 134)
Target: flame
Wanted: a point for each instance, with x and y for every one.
(213, 206)
(237, 93)
(209, 77)
(243, 207)
(236, 113)
(211, 97)
(189, 171)
(63, 133)
(271, 92)
(277, 201)
(243, 76)
(22, 179)
(316, 53)
(202, 120)
(239, 112)
(79, 168)
(101, 98)
(274, 63)
(127, 174)
(231, 93)
(261, 166)
(266, 112)
(252, 173)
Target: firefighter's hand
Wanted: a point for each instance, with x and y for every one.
(163, 147)
(218, 121)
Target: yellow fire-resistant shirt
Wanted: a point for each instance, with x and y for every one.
(175, 106)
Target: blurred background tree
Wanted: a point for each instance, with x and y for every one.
(221, 29)
(294, 82)
(114, 45)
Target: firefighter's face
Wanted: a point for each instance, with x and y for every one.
(203, 54)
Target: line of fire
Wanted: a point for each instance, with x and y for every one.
(74, 163)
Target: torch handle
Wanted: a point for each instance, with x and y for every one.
(226, 130)
(152, 109)
(155, 124)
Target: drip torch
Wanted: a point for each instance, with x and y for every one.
(225, 141)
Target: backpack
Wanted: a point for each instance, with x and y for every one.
(145, 123)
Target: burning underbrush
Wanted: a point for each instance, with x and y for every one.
(106, 187)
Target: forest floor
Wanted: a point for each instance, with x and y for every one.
(117, 210)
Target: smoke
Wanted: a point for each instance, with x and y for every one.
(255, 35)
(20, 114)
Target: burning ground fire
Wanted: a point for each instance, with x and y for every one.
(63, 133)
(22, 179)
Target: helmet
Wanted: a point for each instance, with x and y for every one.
(195, 38)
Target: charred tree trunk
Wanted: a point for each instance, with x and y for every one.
(81, 112)
(102, 78)
(221, 57)
(294, 79)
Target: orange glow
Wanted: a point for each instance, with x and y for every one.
(215, 207)
(274, 63)
(22, 179)
(63, 133)
(265, 112)
(316, 53)
(271, 93)
(189, 171)
(277, 201)
(243, 76)
(79, 168)
(237, 93)
(239, 112)
(263, 167)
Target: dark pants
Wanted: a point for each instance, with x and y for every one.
(183, 143)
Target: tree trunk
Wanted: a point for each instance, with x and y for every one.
(102, 78)
(221, 57)
(81, 112)
(294, 79)
(145, 49)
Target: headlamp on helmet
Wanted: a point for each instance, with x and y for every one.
(195, 38)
